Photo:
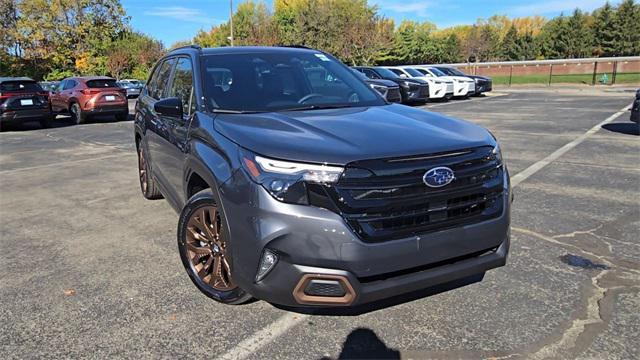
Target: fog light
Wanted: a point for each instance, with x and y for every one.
(267, 262)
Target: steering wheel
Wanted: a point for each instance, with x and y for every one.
(308, 96)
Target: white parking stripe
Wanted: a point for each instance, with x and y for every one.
(289, 320)
(526, 173)
(247, 346)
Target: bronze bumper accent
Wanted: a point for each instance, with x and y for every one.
(302, 297)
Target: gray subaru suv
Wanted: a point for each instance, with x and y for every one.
(306, 190)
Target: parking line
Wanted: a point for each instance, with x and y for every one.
(63, 163)
(249, 345)
(497, 95)
(289, 320)
(526, 173)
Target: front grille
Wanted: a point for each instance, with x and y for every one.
(393, 95)
(424, 90)
(387, 199)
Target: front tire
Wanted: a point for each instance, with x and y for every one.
(203, 243)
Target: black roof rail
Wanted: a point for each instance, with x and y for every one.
(295, 46)
(190, 46)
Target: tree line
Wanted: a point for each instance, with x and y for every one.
(52, 39)
(357, 33)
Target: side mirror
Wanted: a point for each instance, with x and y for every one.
(169, 107)
(403, 75)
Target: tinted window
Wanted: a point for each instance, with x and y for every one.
(160, 83)
(182, 85)
(106, 83)
(413, 72)
(437, 72)
(273, 81)
(20, 86)
(386, 73)
(371, 74)
(396, 71)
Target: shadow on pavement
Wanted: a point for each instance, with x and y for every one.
(623, 128)
(363, 343)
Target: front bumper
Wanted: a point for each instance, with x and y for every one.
(317, 242)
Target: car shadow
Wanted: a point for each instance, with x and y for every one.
(363, 343)
(61, 121)
(385, 303)
(628, 128)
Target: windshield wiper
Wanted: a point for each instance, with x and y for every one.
(229, 111)
(316, 107)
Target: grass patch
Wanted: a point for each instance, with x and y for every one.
(621, 78)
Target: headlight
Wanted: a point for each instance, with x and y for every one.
(381, 89)
(496, 153)
(286, 180)
(437, 82)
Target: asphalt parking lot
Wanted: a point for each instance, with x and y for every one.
(88, 268)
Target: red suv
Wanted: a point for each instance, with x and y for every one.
(82, 97)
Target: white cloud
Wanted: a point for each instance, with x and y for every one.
(556, 6)
(420, 8)
(182, 14)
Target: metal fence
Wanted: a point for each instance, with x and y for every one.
(592, 71)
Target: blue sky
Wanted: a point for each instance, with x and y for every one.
(171, 20)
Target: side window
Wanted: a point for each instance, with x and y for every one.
(182, 85)
(163, 77)
(69, 84)
(397, 71)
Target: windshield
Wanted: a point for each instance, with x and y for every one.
(453, 71)
(437, 72)
(387, 73)
(102, 83)
(275, 81)
(413, 72)
(20, 86)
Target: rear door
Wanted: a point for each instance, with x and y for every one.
(156, 129)
(170, 154)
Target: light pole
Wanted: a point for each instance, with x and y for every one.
(231, 20)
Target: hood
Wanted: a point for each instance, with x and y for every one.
(340, 136)
(480, 77)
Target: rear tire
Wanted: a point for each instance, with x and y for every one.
(202, 243)
(46, 122)
(147, 185)
(122, 117)
(77, 115)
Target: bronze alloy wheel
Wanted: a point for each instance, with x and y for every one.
(207, 249)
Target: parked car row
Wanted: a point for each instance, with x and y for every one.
(22, 99)
(419, 83)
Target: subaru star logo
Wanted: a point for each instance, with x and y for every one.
(438, 177)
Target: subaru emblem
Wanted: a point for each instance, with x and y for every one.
(438, 177)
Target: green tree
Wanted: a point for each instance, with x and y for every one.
(627, 29)
(604, 31)
(510, 47)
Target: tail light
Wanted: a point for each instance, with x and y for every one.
(90, 91)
